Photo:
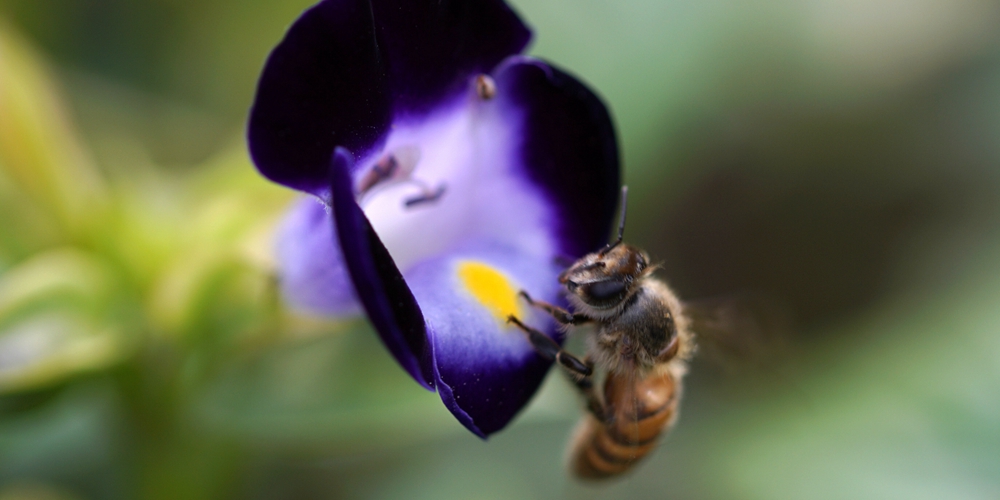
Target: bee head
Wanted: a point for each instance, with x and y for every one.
(603, 280)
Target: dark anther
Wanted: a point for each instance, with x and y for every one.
(425, 197)
(383, 169)
(386, 166)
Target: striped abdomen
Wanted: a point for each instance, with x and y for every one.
(639, 411)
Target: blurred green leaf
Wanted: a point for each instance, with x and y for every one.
(69, 444)
(29, 491)
(42, 162)
(55, 319)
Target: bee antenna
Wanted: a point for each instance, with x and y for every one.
(621, 223)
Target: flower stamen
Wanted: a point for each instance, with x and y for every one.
(428, 195)
(397, 165)
(486, 88)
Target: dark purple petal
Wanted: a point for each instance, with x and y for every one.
(325, 85)
(496, 397)
(435, 46)
(569, 149)
(347, 68)
(384, 294)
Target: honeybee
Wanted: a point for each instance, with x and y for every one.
(641, 343)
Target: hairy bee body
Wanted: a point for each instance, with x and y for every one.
(641, 343)
(641, 393)
(645, 331)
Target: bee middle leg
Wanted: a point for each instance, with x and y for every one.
(559, 314)
(580, 371)
(585, 384)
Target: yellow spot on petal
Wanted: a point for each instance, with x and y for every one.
(491, 288)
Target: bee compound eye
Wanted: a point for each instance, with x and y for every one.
(605, 290)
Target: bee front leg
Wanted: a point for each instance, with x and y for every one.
(580, 371)
(550, 350)
(559, 314)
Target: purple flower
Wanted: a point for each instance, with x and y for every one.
(449, 172)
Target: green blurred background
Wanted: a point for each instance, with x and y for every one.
(841, 156)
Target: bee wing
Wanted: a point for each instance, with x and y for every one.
(744, 334)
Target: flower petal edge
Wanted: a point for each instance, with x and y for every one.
(570, 148)
(380, 286)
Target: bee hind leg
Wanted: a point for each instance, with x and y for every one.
(580, 371)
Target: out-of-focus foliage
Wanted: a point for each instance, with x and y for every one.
(95, 268)
(50, 188)
(840, 155)
(50, 292)
(913, 415)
